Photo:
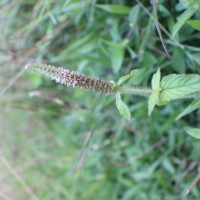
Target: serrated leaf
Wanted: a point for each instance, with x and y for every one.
(194, 24)
(193, 106)
(195, 132)
(177, 86)
(125, 78)
(155, 82)
(182, 20)
(115, 8)
(152, 101)
(122, 107)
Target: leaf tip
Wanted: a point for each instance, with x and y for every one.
(195, 132)
(122, 107)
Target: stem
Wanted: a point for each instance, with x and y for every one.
(134, 90)
(158, 28)
(12, 81)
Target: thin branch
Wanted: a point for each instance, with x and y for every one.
(174, 41)
(18, 178)
(194, 182)
(12, 81)
(83, 152)
(158, 28)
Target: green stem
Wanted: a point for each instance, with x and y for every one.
(134, 90)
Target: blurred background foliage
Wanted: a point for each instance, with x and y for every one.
(65, 143)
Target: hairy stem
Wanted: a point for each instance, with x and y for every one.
(135, 90)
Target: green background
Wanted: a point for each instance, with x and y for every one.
(65, 143)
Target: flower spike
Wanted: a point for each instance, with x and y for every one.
(74, 79)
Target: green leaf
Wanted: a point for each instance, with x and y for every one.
(183, 4)
(193, 106)
(114, 8)
(194, 24)
(177, 86)
(168, 165)
(195, 57)
(125, 78)
(148, 59)
(178, 62)
(133, 15)
(122, 107)
(131, 52)
(117, 54)
(155, 82)
(164, 12)
(195, 132)
(153, 99)
(182, 20)
(140, 76)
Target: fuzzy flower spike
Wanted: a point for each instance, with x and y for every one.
(74, 79)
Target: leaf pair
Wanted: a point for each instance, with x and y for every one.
(168, 88)
(153, 99)
(121, 106)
